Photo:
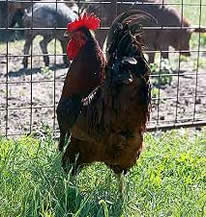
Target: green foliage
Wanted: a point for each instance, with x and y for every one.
(46, 70)
(203, 39)
(155, 92)
(184, 59)
(169, 180)
(161, 74)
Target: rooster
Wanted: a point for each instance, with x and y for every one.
(85, 73)
(109, 122)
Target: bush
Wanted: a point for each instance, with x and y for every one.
(162, 74)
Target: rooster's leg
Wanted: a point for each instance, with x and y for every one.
(120, 174)
(64, 137)
(72, 157)
(120, 178)
(78, 153)
(61, 141)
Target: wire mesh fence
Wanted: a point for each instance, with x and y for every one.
(29, 91)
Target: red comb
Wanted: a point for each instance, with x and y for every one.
(89, 21)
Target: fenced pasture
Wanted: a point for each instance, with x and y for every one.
(170, 177)
(28, 97)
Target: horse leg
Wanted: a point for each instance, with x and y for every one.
(28, 41)
(65, 58)
(43, 44)
(151, 57)
(165, 54)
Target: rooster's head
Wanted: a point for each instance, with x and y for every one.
(79, 32)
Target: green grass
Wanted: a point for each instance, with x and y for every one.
(169, 180)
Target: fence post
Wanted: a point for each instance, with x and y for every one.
(113, 9)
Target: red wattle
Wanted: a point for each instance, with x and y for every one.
(73, 48)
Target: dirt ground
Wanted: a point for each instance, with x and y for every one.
(28, 97)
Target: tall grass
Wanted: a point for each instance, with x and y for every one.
(169, 180)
